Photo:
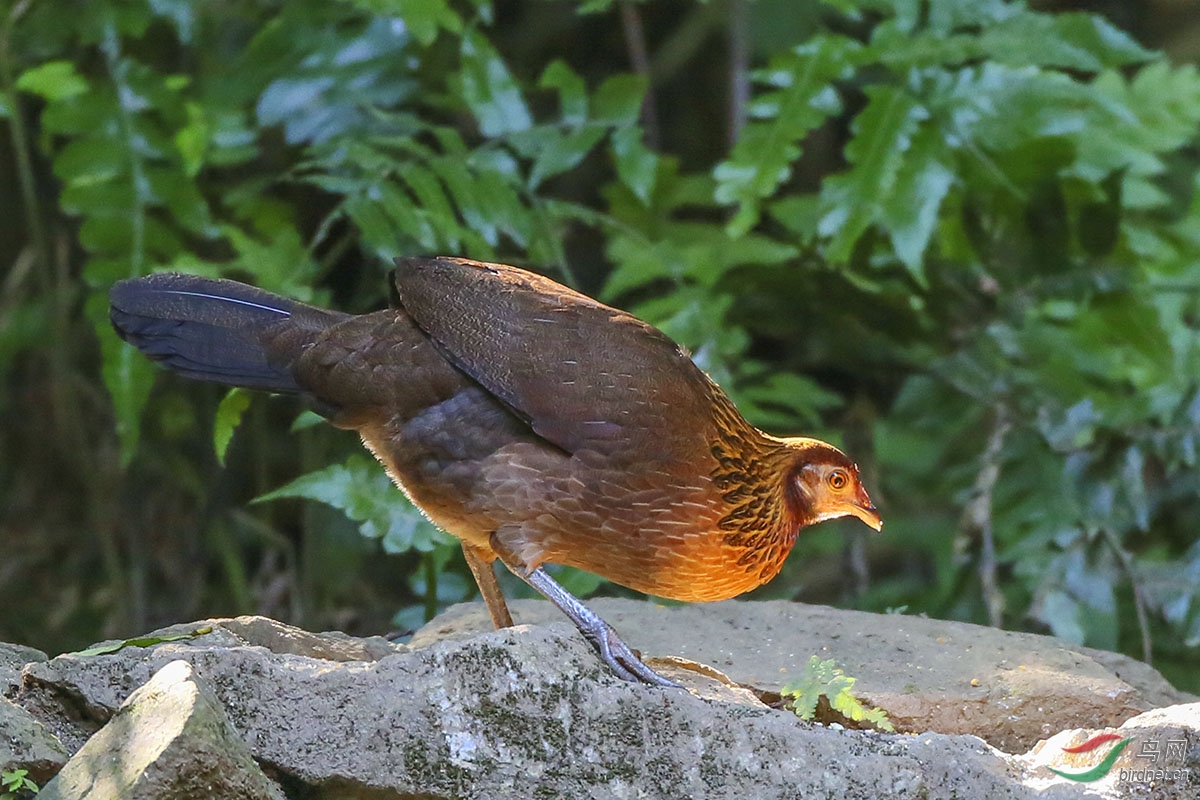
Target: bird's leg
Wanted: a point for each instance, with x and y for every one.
(614, 652)
(489, 587)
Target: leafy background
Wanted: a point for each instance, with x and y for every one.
(961, 239)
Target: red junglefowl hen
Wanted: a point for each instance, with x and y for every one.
(533, 423)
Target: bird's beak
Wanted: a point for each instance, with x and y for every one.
(867, 514)
(864, 509)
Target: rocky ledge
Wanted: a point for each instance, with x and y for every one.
(257, 709)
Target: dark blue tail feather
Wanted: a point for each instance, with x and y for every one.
(211, 330)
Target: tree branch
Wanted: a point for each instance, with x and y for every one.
(639, 58)
(977, 516)
(1139, 598)
(739, 67)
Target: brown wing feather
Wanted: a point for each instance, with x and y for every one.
(584, 375)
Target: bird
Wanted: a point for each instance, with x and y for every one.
(535, 424)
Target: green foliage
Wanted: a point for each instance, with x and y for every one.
(141, 641)
(229, 415)
(15, 782)
(54, 80)
(361, 490)
(943, 226)
(801, 98)
(825, 679)
(1002, 177)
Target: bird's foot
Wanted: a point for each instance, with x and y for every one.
(619, 656)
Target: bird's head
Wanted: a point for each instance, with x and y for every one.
(823, 484)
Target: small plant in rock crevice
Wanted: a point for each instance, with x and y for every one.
(803, 694)
(15, 783)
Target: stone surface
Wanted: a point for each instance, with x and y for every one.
(169, 739)
(1011, 689)
(278, 637)
(526, 712)
(1146, 679)
(12, 658)
(26, 744)
(73, 718)
(530, 712)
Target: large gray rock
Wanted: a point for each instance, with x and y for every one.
(278, 637)
(1011, 689)
(13, 657)
(531, 712)
(520, 713)
(26, 744)
(169, 739)
(73, 718)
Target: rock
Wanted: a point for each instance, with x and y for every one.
(1011, 689)
(72, 717)
(1146, 679)
(277, 637)
(170, 738)
(26, 744)
(531, 712)
(12, 658)
(330, 645)
(525, 712)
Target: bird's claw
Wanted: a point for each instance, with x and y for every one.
(622, 659)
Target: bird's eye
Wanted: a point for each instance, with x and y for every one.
(838, 479)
